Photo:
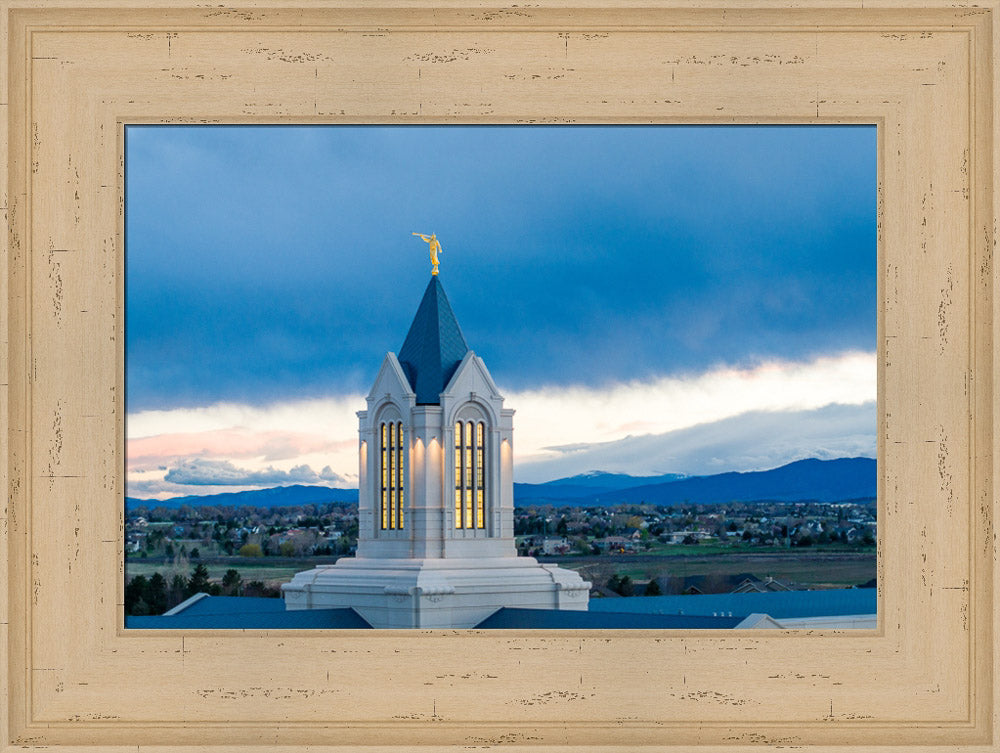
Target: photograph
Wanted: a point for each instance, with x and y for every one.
(500, 377)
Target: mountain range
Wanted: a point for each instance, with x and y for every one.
(586, 486)
(278, 496)
(811, 479)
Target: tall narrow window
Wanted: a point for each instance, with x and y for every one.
(470, 474)
(458, 474)
(480, 476)
(391, 475)
(385, 480)
(399, 474)
(467, 457)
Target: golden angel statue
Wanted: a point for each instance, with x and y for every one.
(435, 249)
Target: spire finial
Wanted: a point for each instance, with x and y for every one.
(435, 249)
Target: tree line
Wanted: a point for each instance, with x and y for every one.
(156, 594)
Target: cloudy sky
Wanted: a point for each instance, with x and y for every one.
(649, 299)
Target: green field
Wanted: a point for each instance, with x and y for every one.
(270, 570)
(815, 568)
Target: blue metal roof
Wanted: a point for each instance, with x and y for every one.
(720, 611)
(777, 604)
(433, 347)
(234, 605)
(555, 619)
(245, 612)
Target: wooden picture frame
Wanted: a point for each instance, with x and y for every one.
(75, 72)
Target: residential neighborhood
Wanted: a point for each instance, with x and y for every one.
(622, 549)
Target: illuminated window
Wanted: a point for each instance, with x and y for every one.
(458, 473)
(391, 474)
(470, 475)
(399, 474)
(480, 474)
(467, 457)
(385, 480)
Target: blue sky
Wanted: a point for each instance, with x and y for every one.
(270, 266)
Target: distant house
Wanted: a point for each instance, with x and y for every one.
(752, 585)
(555, 545)
(677, 537)
(615, 544)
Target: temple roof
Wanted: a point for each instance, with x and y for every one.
(571, 619)
(434, 346)
(247, 612)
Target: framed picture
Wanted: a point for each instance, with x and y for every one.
(77, 74)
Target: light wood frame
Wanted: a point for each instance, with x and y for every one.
(75, 72)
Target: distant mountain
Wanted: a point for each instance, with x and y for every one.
(820, 480)
(604, 479)
(278, 496)
(591, 485)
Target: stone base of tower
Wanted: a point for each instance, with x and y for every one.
(435, 593)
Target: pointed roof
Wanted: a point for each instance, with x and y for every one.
(434, 346)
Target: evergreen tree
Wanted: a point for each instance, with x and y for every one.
(198, 582)
(621, 584)
(135, 591)
(156, 594)
(231, 582)
(178, 589)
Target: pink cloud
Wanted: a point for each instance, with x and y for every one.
(236, 442)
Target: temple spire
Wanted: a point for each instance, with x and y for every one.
(433, 347)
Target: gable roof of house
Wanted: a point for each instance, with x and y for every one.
(433, 347)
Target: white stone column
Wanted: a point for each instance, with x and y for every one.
(426, 503)
(507, 473)
(366, 448)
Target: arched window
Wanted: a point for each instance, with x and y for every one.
(391, 474)
(470, 474)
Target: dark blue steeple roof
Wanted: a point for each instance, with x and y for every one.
(434, 346)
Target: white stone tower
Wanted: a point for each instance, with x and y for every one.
(436, 496)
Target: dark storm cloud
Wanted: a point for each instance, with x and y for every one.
(268, 263)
